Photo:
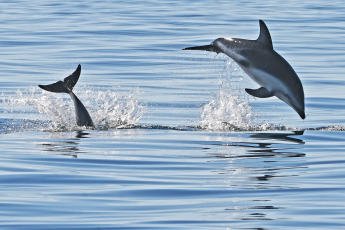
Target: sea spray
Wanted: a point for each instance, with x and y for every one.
(49, 107)
(111, 109)
(108, 109)
(229, 109)
(226, 112)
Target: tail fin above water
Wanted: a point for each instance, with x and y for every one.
(65, 86)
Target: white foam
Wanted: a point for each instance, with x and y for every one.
(111, 109)
(227, 112)
(108, 108)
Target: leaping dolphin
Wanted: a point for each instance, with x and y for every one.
(264, 65)
(66, 86)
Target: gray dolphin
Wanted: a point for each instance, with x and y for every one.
(264, 65)
(66, 86)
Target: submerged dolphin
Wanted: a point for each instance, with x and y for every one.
(66, 86)
(264, 65)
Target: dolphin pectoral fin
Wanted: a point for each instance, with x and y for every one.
(261, 92)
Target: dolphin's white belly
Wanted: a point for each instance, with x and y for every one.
(264, 79)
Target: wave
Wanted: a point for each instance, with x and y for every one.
(23, 125)
(231, 128)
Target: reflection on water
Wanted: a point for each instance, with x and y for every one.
(271, 148)
(206, 179)
(280, 136)
(82, 134)
(262, 162)
(268, 145)
(58, 143)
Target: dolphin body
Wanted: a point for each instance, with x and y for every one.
(264, 65)
(66, 86)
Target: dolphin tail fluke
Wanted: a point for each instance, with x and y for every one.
(57, 87)
(65, 86)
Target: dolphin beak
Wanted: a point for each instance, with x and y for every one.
(210, 48)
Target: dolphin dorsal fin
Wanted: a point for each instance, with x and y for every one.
(265, 37)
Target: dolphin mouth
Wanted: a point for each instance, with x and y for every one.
(210, 48)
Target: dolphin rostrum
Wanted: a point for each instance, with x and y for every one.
(264, 65)
(66, 86)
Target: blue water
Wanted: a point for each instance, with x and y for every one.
(178, 144)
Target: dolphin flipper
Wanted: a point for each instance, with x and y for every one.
(261, 92)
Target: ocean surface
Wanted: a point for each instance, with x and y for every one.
(177, 143)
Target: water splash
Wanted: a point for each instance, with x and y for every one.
(227, 112)
(111, 109)
(230, 110)
(108, 109)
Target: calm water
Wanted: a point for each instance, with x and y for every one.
(178, 143)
